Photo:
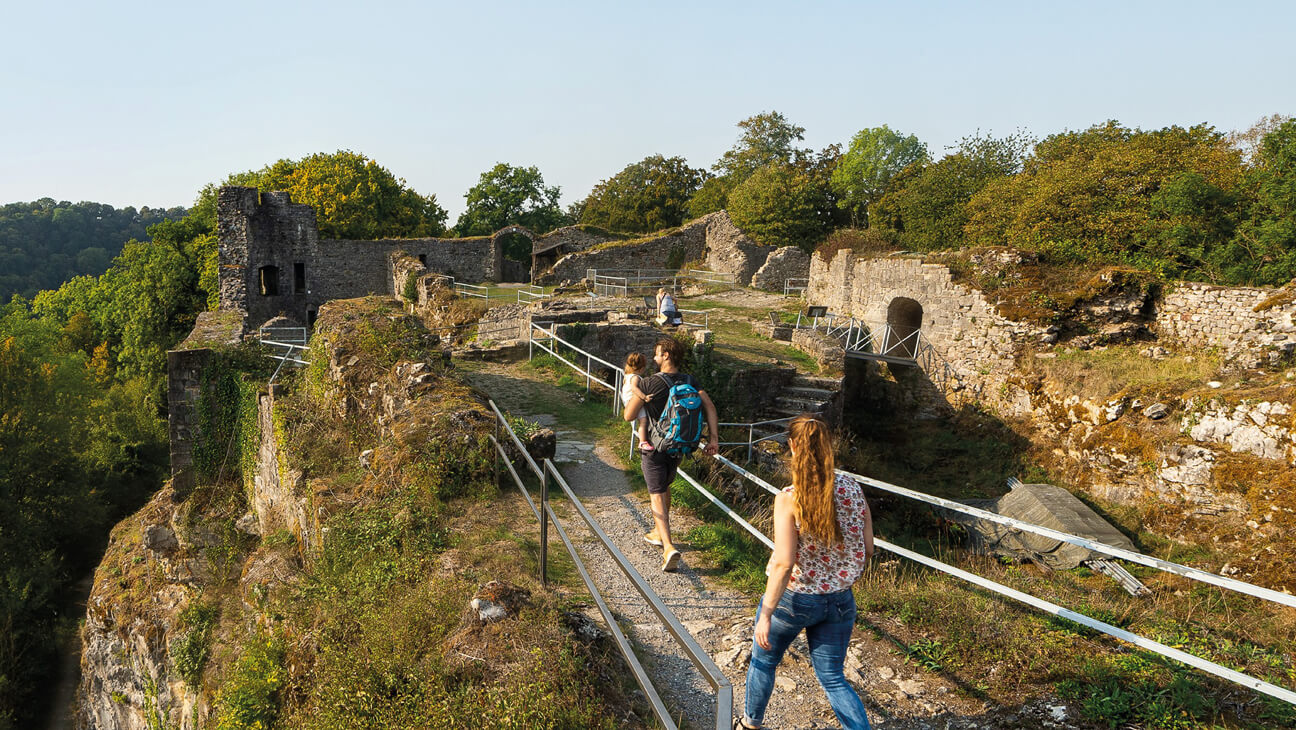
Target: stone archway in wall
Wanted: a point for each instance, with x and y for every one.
(513, 245)
(904, 318)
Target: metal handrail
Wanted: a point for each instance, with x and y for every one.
(699, 657)
(789, 286)
(532, 295)
(545, 514)
(590, 378)
(1098, 547)
(706, 317)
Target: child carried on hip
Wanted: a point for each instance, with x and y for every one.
(635, 364)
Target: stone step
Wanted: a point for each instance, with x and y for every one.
(809, 393)
(811, 381)
(799, 405)
(780, 411)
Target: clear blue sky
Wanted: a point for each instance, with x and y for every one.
(142, 103)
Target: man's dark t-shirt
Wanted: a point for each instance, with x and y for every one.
(657, 387)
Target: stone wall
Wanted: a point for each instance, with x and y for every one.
(683, 244)
(1200, 315)
(962, 326)
(788, 262)
(263, 239)
(185, 365)
(273, 262)
(280, 500)
(730, 251)
(400, 265)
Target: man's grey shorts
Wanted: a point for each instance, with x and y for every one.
(659, 471)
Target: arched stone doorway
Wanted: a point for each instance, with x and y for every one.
(904, 319)
(514, 244)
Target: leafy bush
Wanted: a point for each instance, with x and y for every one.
(249, 698)
(190, 651)
(410, 289)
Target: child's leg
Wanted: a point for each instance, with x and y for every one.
(643, 428)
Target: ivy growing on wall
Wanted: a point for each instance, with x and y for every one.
(225, 438)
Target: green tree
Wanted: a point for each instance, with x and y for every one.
(711, 196)
(506, 195)
(648, 195)
(45, 502)
(781, 205)
(1090, 195)
(927, 205)
(1263, 251)
(353, 196)
(766, 139)
(862, 175)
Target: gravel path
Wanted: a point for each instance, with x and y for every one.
(719, 618)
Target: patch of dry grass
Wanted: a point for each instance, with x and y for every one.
(1101, 374)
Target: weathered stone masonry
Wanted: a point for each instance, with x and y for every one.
(273, 262)
(1200, 315)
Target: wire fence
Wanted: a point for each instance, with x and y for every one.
(637, 282)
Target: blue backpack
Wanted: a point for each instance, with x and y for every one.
(679, 429)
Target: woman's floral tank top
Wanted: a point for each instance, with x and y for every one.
(821, 569)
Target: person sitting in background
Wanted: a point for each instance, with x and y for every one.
(667, 311)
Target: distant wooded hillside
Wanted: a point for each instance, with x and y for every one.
(46, 242)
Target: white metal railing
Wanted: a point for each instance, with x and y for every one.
(476, 291)
(1196, 662)
(633, 282)
(795, 285)
(545, 514)
(706, 318)
(532, 293)
(713, 278)
(549, 342)
(287, 345)
(749, 444)
(861, 339)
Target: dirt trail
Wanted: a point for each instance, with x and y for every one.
(719, 618)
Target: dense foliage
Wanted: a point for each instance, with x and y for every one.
(648, 195)
(353, 196)
(77, 451)
(927, 202)
(780, 205)
(44, 243)
(875, 156)
(507, 195)
(1114, 194)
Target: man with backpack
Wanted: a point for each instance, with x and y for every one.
(676, 405)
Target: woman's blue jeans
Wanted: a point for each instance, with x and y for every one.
(828, 620)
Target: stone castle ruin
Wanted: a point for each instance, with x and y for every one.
(273, 262)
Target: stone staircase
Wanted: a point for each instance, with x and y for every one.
(806, 394)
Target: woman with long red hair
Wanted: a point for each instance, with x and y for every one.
(823, 538)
